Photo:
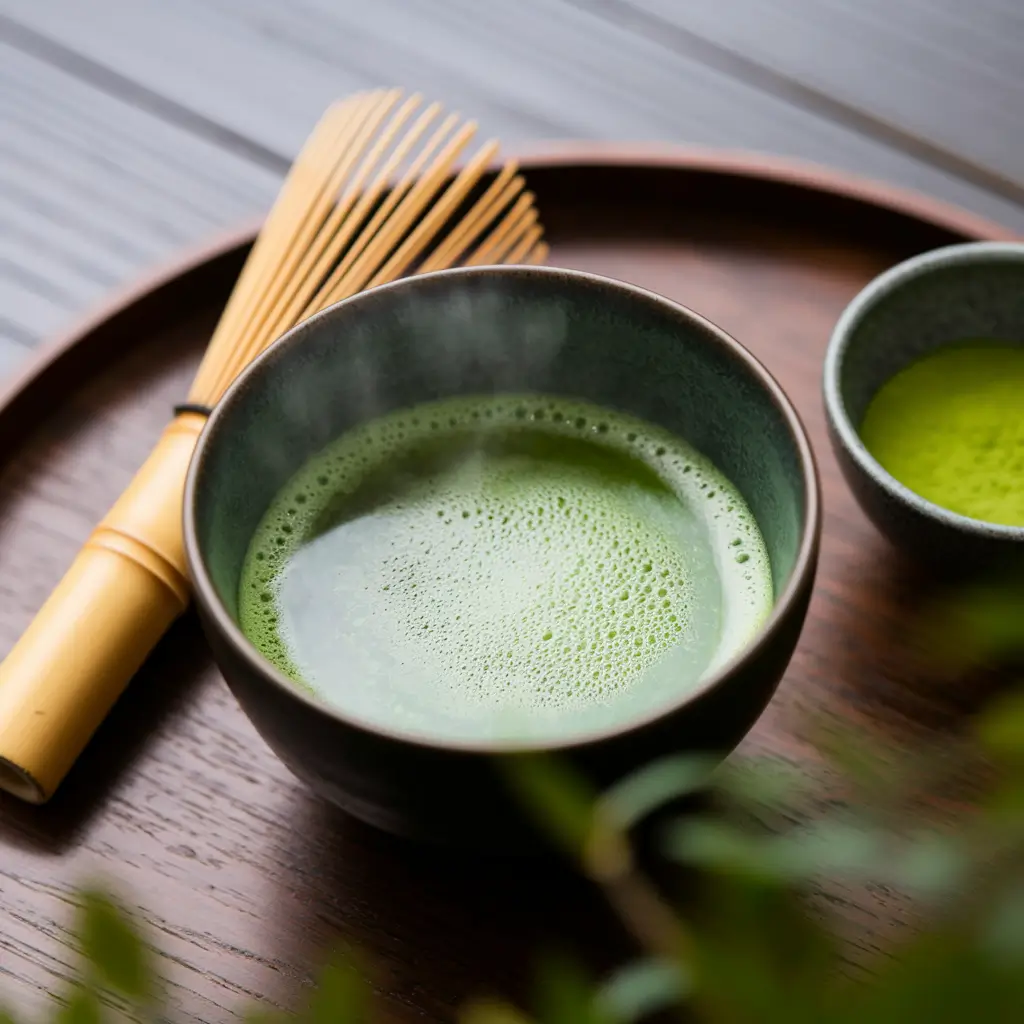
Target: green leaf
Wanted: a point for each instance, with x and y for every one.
(724, 849)
(763, 781)
(492, 1011)
(927, 862)
(6, 1017)
(341, 996)
(560, 798)
(82, 1007)
(833, 847)
(759, 956)
(1003, 933)
(565, 994)
(717, 846)
(992, 615)
(940, 978)
(644, 791)
(1003, 805)
(975, 625)
(113, 947)
(1000, 727)
(642, 988)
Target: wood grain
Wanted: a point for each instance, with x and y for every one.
(243, 877)
(932, 77)
(93, 192)
(262, 71)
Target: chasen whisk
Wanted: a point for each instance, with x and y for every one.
(372, 196)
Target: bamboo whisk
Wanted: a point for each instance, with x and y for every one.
(370, 198)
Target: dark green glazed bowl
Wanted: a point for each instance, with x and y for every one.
(480, 331)
(957, 292)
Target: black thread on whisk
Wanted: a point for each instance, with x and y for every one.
(196, 407)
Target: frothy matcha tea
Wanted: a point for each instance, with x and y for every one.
(504, 568)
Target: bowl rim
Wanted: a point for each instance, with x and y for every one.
(785, 604)
(876, 291)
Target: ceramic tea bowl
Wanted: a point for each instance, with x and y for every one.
(970, 291)
(484, 331)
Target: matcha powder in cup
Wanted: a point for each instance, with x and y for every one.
(951, 428)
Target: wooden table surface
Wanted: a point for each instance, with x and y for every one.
(130, 129)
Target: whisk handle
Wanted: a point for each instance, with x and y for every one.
(125, 587)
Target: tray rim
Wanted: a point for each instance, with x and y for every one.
(566, 154)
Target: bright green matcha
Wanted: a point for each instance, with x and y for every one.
(951, 428)
(504, 567)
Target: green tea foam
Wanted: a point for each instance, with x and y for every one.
(505, 567)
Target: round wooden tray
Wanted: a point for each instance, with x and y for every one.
(244, 876)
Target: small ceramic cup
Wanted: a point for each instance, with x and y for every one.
(974, 290)
(483, 331)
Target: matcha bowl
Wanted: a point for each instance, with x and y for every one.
(495, 332)
(964, 296)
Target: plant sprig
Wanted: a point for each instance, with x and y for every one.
(748, 951)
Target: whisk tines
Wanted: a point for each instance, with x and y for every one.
(384, 187)
(372, 196)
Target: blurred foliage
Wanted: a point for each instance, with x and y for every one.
(977, 623)
(748, 948)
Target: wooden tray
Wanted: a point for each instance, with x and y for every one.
(244, 876)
